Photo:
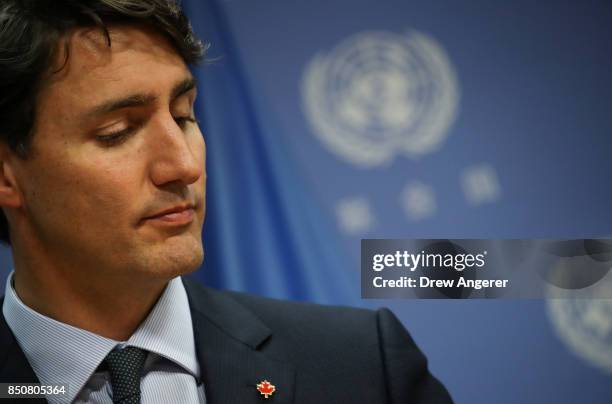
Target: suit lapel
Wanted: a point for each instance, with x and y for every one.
(14, 366)
(229, 341)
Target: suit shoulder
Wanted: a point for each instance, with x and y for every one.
(327, 326)
(349, 346)
(291, 311)
(299, 322)
(279, 309)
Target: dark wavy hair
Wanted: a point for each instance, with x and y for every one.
(31, 32)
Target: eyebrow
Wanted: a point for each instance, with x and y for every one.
(139, 100)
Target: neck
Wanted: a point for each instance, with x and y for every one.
(111, 307)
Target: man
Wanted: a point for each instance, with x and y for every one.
(102, 185)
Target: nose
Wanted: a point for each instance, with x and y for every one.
(178, 155)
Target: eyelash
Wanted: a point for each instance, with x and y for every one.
(182, 120)
(118, 137)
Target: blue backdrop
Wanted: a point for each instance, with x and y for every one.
(331, 121)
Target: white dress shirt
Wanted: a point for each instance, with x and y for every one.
(62, 354)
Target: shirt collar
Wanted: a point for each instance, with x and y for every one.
(62, 354)
(168, 330)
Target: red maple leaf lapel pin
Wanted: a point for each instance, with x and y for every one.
(266, 388)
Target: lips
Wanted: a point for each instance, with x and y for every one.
(177, 215)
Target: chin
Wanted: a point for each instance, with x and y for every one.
(175, 258)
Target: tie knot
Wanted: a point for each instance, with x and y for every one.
(125, 366)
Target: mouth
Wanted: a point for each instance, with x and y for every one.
(176, 216)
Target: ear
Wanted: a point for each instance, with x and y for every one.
(10, 195)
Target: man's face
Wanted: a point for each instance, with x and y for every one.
(115, 181)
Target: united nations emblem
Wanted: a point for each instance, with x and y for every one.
(378, 94)
(583, 320)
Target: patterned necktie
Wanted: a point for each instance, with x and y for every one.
(125, 366)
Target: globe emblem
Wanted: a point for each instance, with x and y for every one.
(378, 94)
(378, 100)
(583, 320)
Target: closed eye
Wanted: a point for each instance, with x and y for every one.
(115, 138)
(118, 137)
(182, 121)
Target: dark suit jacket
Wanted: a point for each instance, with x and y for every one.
(311, 353)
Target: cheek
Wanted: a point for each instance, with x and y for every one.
(73, 192)
(110, 192)
(199, 145)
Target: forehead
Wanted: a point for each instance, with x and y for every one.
(86, 70)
